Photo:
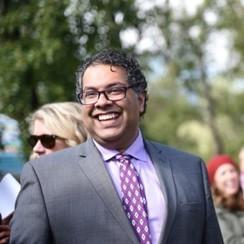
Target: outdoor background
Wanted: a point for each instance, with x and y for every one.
(192, 54)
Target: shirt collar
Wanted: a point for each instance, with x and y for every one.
(136, 150)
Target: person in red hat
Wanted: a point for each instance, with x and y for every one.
(224, 179)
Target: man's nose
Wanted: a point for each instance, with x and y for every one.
(102, 99)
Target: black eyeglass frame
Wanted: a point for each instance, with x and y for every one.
(47, 141)
(106, 94)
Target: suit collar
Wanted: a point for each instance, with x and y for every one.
(136, 150)
(93, 167)
(163, 168)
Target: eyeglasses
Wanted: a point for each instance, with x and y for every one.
(115, 93)
(48, 141)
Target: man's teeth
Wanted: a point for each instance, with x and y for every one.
(107, 116)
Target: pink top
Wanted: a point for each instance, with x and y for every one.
(242, 180)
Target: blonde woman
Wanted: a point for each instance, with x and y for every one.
(53, 127)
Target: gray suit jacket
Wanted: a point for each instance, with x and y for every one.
(69, 197)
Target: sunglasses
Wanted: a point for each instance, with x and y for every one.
(48, 141)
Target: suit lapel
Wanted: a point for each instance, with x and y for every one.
(93, 167)
(164, 171)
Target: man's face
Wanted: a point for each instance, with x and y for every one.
(113, 124)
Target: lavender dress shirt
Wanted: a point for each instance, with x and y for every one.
(156, 201)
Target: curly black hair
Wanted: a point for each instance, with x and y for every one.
(116, 58)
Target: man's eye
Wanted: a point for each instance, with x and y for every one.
(115, 90)
(90, 94)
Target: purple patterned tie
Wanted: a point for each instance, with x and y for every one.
(134, 200)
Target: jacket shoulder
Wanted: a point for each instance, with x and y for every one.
(171, 153)
(67, 155)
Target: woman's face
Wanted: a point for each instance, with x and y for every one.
(227, 179)
(39, 149)
(241, 158)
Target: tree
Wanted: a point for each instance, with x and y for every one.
(42, 43)
(35, 47)
(185, 47)
(42, 47)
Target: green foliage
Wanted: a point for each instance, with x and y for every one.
(42, 43)
(42, 47)
(35, 47)
(186, 37)
(168, 108)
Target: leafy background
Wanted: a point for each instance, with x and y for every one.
(195, 104)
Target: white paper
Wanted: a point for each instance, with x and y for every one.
(9, 189)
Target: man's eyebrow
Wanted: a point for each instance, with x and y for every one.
(115, 84)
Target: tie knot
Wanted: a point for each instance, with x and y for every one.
(122, 157)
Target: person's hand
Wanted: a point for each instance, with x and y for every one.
(5, 229)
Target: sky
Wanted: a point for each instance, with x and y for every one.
(10, 134)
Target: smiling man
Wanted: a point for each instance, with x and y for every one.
(111, 108)
(117, 187)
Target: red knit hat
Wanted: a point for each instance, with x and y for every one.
(215, 162)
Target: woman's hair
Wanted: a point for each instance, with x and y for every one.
(233, 203)
(62, 119)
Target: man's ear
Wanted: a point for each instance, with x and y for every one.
(142, 100)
